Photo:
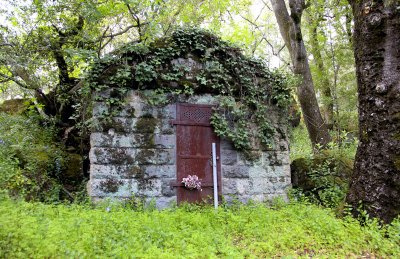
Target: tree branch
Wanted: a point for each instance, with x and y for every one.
(18, 82)
(122, 32)
(137, 20)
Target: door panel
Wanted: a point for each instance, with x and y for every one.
(194, 156)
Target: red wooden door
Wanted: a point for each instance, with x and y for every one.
(194, 138)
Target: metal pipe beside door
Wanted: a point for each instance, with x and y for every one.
(214, 164)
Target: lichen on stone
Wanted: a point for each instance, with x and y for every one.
(110, 185)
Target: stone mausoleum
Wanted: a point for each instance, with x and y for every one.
(158, 109)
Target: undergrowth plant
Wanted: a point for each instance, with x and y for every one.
(30, 160)
(324, 173)
(253, 230)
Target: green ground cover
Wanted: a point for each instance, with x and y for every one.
(37, 230)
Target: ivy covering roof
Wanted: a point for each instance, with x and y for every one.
(195, 61)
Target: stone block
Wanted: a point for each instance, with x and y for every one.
(143, 140)
(226, 144)
(98, 139)
(228, 186)
(116, 124)
(145, 157)
(235, 186)
(166, 189)
(270, 158)
(260, 185)
(166, 128)
(167, 112)
(119, 140)
(256, 198)
(229, 157)
(147, 125)
(283, 145)
(164, 141)
(149, 187)
(99, 155)
(277, 185)
(166, 156)
(129, 171)
(136, 107)
(99, 108)
(256, 159)
(122, 124)
(128, 140)
(112, 187)
(160, 171)
(283, 156)
(286, 170)
(243, 186)
(166, 202)
(283, 170)
(273, 170)
(273, 179)
(258, 171)
(202, 99)
(237, 171)
(103, 171)
(155, 157)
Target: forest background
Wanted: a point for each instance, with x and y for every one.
(47, 48)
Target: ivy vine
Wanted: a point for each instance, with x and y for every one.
(245, 87)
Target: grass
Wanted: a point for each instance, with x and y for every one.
(36, 230)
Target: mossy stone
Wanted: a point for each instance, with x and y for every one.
(134, 172)
(397, 162)
(146, 125)
(110, 185)
(145, 156)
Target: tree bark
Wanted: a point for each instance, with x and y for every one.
(376, 179)
(290, 29)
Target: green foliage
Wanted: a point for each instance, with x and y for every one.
(300, 143)
(330, 188)
(254, 230)
(245, 87)
(328, 29)
(30, 161)
(324, 174)
(342, 144)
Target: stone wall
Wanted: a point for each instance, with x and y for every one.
(134, 154)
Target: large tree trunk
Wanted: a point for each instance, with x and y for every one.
(376, 179)
(289, 26)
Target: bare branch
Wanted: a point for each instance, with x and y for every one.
(261, 12)
(121, 32)
(137, 20)
(264, 37)
(267, 5)
(100, 40)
